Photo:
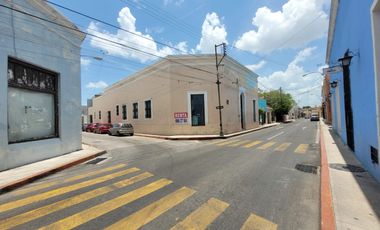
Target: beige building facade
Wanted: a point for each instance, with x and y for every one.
(178, 96)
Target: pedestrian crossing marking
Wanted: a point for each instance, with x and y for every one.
(152, 211)
(302, 148)
(267, 145)
(227, 142)
(252, 144)
(108, 206)
(48, 209)
(283, 146)
(62, 190)
(256, 222)
(238, 143)
(203, 216)
(71, 179)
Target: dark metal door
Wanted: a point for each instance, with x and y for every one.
(348, 108)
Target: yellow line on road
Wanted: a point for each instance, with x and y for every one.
(256, 222)
(252, 144)
(62, 190)
(108, 206)
(152, 211)
(227, 142)
(203, 216)
(71, 179)
(238, 143)
(267, 145)
(48, 209)
(283, 146)
(302, 148)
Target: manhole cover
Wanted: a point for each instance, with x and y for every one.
(313, 146)
(96, 160)
(307, 168)
(347, 168)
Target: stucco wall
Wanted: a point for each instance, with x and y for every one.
(354, 33)
(51, 48)
(168, 84)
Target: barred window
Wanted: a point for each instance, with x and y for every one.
(124, 108)
(135, 110)
(148, 109)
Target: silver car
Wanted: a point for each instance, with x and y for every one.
(121, 129)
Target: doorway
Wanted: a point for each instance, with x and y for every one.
(348, 108)
(242, 110)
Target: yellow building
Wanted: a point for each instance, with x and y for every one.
(178, 96)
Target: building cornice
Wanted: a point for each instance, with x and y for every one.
(330, 37)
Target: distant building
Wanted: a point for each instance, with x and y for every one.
(178, 96)
(354, 44)
(40, 84)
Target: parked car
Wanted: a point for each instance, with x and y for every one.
(314, 117)
(121, 129)
(90, 127)
(102, 128)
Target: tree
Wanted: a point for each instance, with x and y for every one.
(280, 102)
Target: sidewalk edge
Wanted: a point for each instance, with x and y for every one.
(327, 209)
(205, 137)
(18, 183)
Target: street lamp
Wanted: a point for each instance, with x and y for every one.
(334, 84)
(346, 60)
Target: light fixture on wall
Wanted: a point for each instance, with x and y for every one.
(346, 59)
(334, 84)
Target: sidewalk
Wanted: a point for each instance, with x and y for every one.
(355, 195)
(16, 177)
(205, 137)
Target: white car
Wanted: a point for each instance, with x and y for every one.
(121, 129)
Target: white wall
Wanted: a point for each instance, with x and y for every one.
(49, 47)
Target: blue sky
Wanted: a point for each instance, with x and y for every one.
(279, 40)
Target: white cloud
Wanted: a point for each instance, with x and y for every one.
(176, 2)
(298, 23)
(142, 42)
(305, 90)
(97, 85)
(256, 66)
(213, 33)
(85, 61)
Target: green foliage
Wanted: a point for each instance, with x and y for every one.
(280, 102)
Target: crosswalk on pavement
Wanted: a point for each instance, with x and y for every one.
(34, 204)
(263, 145)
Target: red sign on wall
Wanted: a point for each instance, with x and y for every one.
(180, 115)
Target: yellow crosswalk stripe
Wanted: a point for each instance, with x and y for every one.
(227, 142)
(108, 206)
(267, 145)
(256, 222)
(48, 209)
(238, 143)
(71, 179)
(203, 216)
(62, 190)
(152, 211)
(302, 148)
(283, 146)
(252, 144)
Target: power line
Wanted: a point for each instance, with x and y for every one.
(99, 37)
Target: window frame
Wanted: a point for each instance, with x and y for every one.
(135, 112)
(124, 114)
(151, 114)
(55, 92)
(117, 110)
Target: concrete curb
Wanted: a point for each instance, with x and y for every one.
(18, 183)
(327, 209)
(204, 137)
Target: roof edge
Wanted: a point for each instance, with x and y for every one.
(330, 37)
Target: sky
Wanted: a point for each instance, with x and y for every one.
(280, 40)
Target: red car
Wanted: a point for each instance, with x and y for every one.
(102, 128)
(90, 127)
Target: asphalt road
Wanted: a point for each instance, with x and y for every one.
(249, 181)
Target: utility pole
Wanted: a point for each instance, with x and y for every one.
(217, 63)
